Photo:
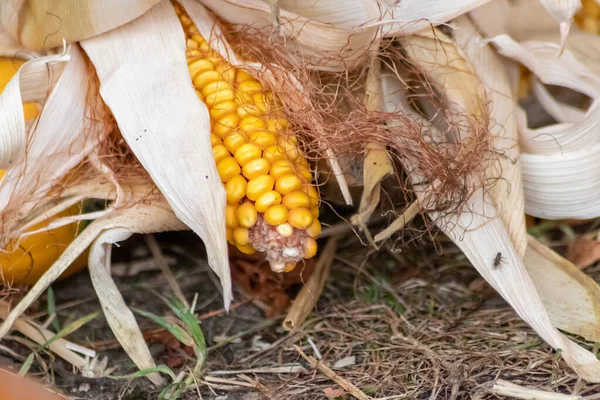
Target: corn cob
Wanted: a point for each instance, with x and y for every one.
(272, 206)
(588, 18)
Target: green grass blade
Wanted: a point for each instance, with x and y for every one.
(175, 330)
(52, 309)
(192, 325)
(163, 369)
(72, 327)
(27, 365)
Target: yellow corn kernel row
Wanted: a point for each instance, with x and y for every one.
(267, 179)
(588, 18)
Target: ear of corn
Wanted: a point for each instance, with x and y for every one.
(272, 206)
(27, 262)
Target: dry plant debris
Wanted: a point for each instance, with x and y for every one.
(237, 120)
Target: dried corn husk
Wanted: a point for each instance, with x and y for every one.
(333, 35)
(57, 142)
(571, 297)
(44, 24)
(481, 237)
(507, 192)
(135, 62)
(377, 163)
(561, 160)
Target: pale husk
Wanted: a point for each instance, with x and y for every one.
(507, 192)
(44, 24)
(58, 141)
(571, 297)
(560, 161)
(482, 237)
(336, 35)
(134, 63)
(377, 163)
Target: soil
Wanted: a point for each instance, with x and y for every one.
(418, 324)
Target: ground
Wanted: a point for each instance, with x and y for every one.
(419, 324)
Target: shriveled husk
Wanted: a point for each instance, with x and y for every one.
(44, 24)
(477, 230)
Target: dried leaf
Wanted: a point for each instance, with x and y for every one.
(144, 77)
(314, 31)
(334, 393)
(119, 317)
(60, 139)
(482, 237)
(44, 24)
(377, 163)
(583, 252)
(507, 192)
(571, 297)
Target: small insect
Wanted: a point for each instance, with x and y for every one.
(497, 261)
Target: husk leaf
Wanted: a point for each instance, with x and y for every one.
(143, 78)
(571, 297)
(44, 24)
(377, 163)
(481, 236)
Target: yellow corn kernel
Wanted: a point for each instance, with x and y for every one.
(215, 87)
(310, 248)
(191, 44)
(315, 229)
(246, 153)
(206, 77)
(289, 267)
(277, 125)
(263, 139)
(285, 230)
(257, 186)
(220, 153)
(243, 76)
(228, 168)
(248, 249)
(246, 215)
(274, 153)
(217, 97)
(247, 110)
(234, 142)
(276, 215)
(280, 168)
(222, 109)
(590, 9)
(255, 168)
(313, 195)
(315, 212)
(305, 174)
(287, 184)
(230, 220)
(226, 125)
(227, 72)
(250, 124)
(250, 86)
(235, 189)
(240, 236)
(229, 235)
(199, 66)
(296, 199)
(291, 151)
(300, 218)
(215, 140)
(197, 38)
(267, 200)
(261, 102)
